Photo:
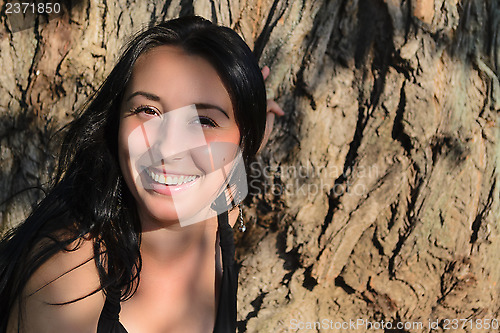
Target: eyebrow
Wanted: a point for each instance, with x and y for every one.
(150, 96)
(205, 106)
(156, 98)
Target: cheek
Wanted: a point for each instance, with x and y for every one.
(235, 136)
(230, 134)
(224, 145)
(132, 140)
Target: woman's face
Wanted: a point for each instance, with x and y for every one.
(178, 136)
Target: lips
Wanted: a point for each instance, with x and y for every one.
(168, 183)
(170, 179)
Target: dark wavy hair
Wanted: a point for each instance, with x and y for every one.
(89, 198)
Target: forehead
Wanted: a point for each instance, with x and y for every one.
(178, 77)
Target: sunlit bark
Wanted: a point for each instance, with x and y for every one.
(377, 197)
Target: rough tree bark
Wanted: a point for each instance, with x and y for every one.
(378, 195)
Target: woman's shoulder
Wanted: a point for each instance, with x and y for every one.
(64, 294)
(67, 275)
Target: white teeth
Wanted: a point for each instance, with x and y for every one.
(170, 180)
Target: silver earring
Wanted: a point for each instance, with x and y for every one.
(119, 194)
(242, 224)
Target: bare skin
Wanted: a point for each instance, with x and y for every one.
(78, 317)
(181, 265)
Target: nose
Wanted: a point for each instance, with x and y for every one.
(175, 138)
(169, 144)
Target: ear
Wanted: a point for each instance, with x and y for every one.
(269, 127)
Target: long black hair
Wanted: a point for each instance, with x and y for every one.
(89, 198)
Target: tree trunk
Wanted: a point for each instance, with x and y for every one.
(377, 197)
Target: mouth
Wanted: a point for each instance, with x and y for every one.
(170, 179)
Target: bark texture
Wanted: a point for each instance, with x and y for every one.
(378, 195)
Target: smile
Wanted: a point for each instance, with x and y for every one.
(170, 180)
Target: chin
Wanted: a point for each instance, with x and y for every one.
(158, 207)
(184, 212)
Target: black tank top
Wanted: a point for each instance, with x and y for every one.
(225, 322)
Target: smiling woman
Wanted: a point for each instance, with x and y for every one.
(159, 133)
(135, 235)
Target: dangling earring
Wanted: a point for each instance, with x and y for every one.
(242, 224)
(119, 194)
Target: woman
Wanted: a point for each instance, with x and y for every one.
(118, 244)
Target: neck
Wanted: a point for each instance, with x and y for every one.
(166, 242)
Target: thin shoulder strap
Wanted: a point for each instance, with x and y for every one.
(109, 321)
(225, 321)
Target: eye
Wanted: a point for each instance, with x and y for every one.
(205, 122)
(146, 110)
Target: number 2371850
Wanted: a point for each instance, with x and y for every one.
(454, 324)
(34, 8)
